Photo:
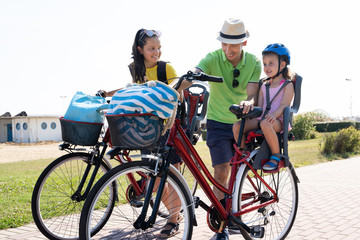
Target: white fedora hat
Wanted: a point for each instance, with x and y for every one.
(233, 32)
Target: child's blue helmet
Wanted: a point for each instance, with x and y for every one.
(278, 49)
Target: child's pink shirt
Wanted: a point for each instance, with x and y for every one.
(276, 102)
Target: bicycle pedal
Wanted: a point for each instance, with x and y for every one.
(136, 203)
(257, 232)
(196, 201)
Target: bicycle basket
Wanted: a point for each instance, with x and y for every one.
(135, 131)
(80, 133)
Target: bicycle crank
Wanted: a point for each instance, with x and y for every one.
(253, 231)
(213, 219)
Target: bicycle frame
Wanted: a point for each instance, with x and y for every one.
(179, 140)
(96, 159)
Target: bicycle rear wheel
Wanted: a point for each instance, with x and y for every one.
(278, 217)
(125, 213)
(55, 207)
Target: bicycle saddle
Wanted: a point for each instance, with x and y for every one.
(235, 109)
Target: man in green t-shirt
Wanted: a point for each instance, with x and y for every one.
(241, 73)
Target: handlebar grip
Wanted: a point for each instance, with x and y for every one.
(204, 77)
(190, 76)
(211, 78)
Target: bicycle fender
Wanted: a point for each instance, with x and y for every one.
(106, 160)
(183, 182)
(236, 189)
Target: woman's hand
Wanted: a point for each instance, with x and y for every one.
(184, 85)
(101, 93)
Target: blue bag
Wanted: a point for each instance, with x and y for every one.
(86, 108)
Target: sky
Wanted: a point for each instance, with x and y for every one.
(51, 49)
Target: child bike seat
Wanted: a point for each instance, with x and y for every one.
(195, 99)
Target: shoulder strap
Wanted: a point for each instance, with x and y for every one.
(161, 71)
(268, 102)
(261, 81)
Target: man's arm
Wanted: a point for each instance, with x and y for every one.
(252, 90)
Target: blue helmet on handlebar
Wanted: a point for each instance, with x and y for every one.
(278, 49)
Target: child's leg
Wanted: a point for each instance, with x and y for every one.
(250, 124)
(270, 129)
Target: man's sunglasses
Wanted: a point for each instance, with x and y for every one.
(149, 33)
(236, 73)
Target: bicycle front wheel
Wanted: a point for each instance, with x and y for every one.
(190, 179)
(56, 204)
(125, 212)
(276, 218)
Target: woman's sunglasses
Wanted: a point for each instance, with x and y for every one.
(149, 33)
(236, 73)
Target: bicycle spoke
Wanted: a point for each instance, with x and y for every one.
(276, 218)
(124, 214)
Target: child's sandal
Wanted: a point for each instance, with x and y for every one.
(172, 231)
(270, 166)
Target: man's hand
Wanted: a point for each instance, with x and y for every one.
(246, 106)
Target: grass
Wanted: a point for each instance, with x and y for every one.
(16, 185)
(18, 179)
(305, 152)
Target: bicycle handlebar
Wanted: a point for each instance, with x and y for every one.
(190, 76)
(204, 77)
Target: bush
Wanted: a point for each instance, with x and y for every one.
(204, 135)
(303, 127)
(334, 126)
(344, 141)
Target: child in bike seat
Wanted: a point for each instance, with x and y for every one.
(275, 94)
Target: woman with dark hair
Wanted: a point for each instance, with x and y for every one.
(146, 66)
(146, 53)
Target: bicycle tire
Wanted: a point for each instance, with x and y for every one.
(55, 214)
(191, 181)
(120, 224)
(277, 218)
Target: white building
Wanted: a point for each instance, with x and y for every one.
(30, 129)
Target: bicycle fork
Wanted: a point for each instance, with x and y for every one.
(140, 223)
(95, 158)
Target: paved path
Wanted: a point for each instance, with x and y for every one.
(329, 206)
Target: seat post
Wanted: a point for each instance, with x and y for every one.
(241, 131)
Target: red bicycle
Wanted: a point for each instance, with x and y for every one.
(261, 204)
(63, 186)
